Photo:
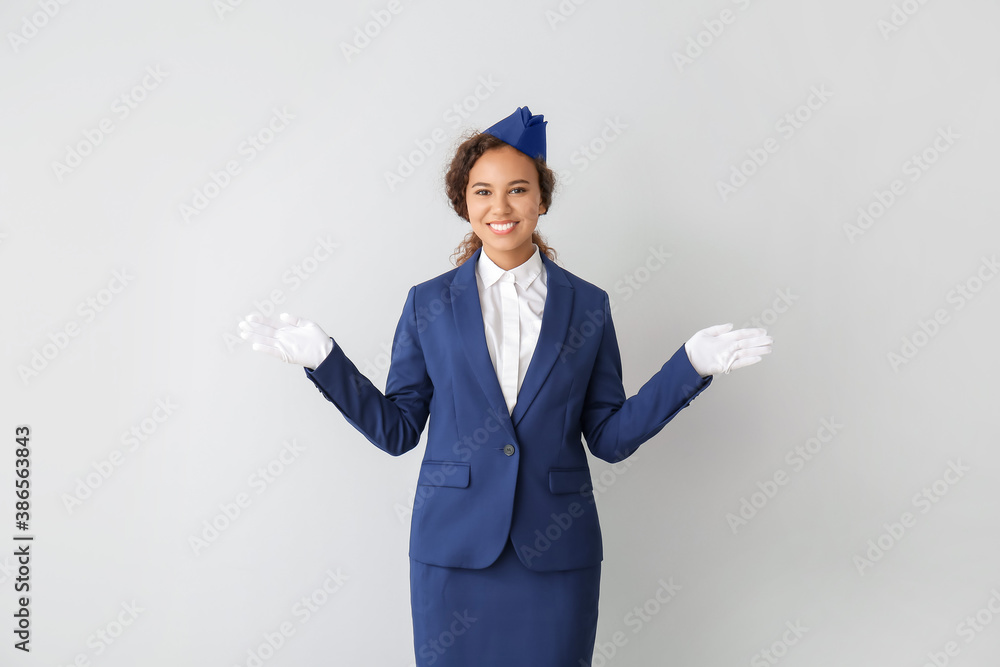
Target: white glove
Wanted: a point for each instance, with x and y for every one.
(719, 350)
(293, 340)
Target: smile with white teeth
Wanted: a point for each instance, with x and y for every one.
(502, 227)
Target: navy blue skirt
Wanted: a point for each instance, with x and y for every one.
(503, 615)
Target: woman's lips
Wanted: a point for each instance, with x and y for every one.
(502, 227)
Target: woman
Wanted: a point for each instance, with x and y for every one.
(516, 358)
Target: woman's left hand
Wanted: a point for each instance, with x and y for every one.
(719, 350)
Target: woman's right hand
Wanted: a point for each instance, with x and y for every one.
(292, 339)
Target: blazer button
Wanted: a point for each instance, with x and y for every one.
(508, 450)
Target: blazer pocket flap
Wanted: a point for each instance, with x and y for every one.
(444, 473)
(570, 480)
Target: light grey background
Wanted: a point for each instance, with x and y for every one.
(779, 243)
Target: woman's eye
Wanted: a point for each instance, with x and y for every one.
(516, 189)
(480, 191)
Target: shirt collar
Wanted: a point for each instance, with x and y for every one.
(524, 274)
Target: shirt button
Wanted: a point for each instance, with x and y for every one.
(508, 450)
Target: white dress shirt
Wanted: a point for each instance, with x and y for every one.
(512, 303)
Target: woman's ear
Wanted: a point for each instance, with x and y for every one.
(541, 209)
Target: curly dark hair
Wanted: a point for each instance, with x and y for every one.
(457, 180)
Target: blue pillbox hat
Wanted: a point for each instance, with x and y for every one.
(523, 131)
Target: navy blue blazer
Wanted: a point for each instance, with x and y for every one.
(487, 474)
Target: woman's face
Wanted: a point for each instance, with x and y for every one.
(503, 188)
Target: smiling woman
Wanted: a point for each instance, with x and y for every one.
(505, 541)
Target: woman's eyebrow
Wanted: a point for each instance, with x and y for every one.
(476, 185)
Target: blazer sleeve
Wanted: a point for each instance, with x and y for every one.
(392, 421)
(614, 426)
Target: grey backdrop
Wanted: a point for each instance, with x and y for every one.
(826, 168)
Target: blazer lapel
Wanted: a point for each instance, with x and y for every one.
(555, 323)
(464, 293)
